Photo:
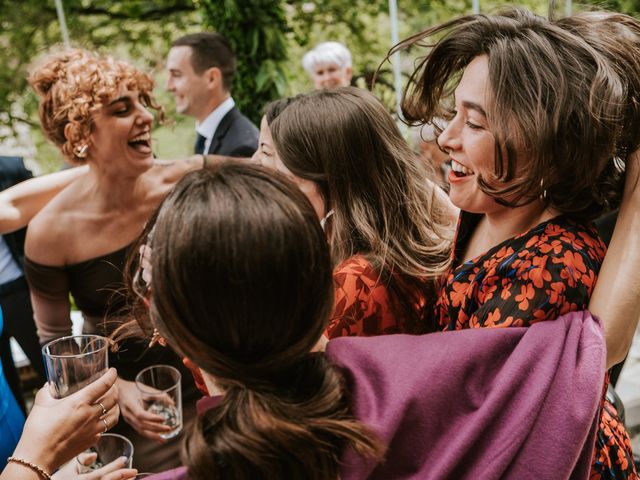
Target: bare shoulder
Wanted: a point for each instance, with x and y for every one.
(169, 172)
(49, 231)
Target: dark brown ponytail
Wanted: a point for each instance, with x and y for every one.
(242, 285)
(298, 430)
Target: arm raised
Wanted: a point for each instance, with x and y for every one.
(616, 297)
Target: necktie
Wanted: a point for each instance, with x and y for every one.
(199, 146)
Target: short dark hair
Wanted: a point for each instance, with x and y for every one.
(210, 49)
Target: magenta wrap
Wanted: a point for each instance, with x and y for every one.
(513, 403)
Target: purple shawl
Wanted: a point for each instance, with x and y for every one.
(513, 403)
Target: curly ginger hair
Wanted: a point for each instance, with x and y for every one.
(73, 85)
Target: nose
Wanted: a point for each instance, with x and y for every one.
(168, 85)
(448, 140)
(255, 158)
(144, 116)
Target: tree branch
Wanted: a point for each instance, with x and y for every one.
(151, 14)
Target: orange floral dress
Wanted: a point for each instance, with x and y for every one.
(538, 275)
(367, 305)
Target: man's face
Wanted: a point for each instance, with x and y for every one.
(191, 90)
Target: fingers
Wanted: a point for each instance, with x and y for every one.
(155, 427)
(145, 263)
(108, 401)
(123, 474)
(113, 471)
(87, 459)
(109, 420)
(99, 388)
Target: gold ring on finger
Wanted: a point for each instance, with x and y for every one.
(106, 425)
(104, 410)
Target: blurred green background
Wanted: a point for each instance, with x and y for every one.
(268, 36)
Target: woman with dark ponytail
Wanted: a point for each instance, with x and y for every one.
(251, 317)
(242, 285)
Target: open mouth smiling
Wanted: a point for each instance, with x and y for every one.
(141, 142)
(460, 170)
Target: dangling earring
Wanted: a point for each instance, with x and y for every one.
(157, 338)
(81, 152)
(543, 196)
(323, 222)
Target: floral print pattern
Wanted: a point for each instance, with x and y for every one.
(366, 305)
(538, 275)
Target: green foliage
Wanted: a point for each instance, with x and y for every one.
(131, 29)
(256, 31)
(268, 36)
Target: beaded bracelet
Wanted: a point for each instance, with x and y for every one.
(32, 466)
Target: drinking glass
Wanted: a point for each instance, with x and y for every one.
(161, 394)
(74, 362)
(110, 447)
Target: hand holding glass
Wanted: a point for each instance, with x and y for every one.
(74, 362)
(109, 448)
(161, 394)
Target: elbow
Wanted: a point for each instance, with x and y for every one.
(617, 352)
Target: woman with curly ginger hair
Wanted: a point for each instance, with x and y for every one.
(95, 110)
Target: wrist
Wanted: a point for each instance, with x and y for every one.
(41, 464)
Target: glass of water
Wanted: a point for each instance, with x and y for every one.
(74, 362)
(161, 394)
(110, 447)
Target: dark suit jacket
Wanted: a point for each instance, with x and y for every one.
(235, 136)
(12, 171)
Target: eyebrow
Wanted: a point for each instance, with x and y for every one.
(474, 106)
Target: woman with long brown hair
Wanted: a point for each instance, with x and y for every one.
(388, 223)
(535, 118)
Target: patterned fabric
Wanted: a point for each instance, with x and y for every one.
(366, 305)
(538, 275)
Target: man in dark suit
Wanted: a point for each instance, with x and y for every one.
(14, 292)
(200, 73)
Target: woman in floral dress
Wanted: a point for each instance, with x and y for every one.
(534, 124)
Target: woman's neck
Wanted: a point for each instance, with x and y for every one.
(496, 227)
(113, 190)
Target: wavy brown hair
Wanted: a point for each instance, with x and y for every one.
(386, 205)
(555, 100)
(242, 285)
(617, 37)
(73, 85)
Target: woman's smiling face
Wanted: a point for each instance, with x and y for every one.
(121, 132)
(469, 142)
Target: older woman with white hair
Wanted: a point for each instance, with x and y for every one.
(328, 65)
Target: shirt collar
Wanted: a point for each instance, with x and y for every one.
(210, 124)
